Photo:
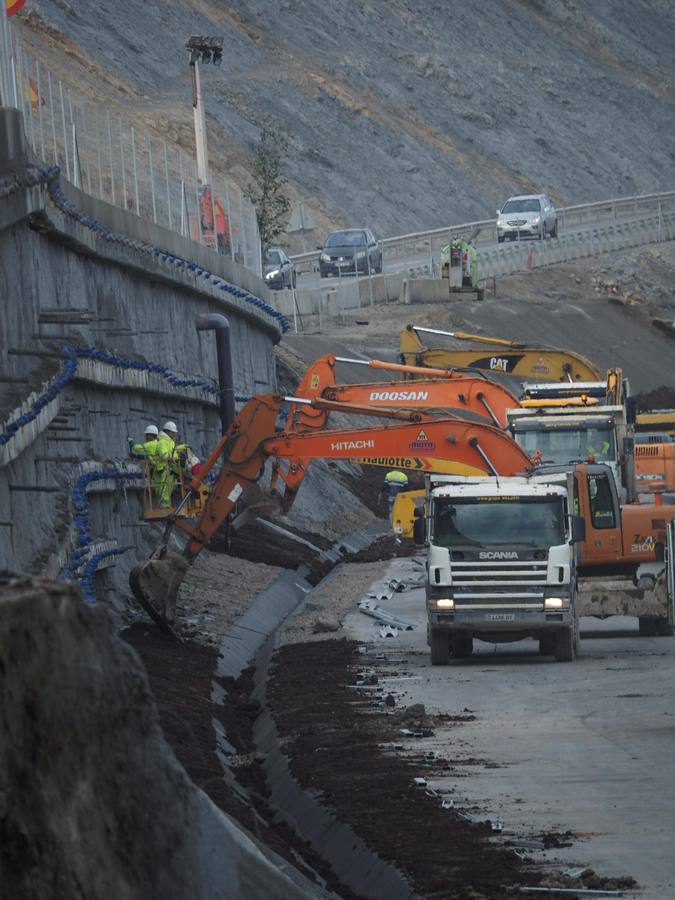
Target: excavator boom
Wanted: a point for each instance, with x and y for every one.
(499, 356)
(252, 440)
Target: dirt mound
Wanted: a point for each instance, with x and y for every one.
(93, 803)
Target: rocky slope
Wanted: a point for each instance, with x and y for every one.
(401, 114)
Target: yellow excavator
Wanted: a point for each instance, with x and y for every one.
(498, 355)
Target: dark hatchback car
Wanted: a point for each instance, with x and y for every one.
(279, 270)
(349, 252)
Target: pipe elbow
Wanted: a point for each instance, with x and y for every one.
(212, 322)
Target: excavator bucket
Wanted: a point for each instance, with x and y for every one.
(155, 584)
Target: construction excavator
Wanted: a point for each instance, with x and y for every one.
(500, 356)
(253, 440)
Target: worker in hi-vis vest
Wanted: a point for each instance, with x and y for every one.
(395, 481)
(148, 451)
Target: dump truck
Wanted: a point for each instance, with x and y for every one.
(501, 563)
(591, 421)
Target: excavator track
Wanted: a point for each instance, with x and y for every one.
(144, 602)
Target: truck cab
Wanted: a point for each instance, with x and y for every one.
(501, 563)
(588, 430)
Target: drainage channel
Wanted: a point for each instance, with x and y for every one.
(250, 642)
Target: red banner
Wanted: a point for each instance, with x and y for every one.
(13, 6)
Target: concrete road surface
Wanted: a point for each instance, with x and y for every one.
(585, 747)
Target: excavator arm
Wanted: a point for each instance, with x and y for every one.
(440, 393)
(500, 356)
(252, 440)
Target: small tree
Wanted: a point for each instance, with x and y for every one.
(266, 193)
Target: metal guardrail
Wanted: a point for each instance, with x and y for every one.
(422, 248)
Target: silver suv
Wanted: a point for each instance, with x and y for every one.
(527, 216)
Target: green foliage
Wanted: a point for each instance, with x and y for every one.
(266, 192)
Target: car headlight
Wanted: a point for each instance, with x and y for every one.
(273, 273)
(536, 220)
(324, 257)
(361, 254)
(501, 222)
(556, 602)
(445, 603)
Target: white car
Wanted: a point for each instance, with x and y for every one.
(527, 216)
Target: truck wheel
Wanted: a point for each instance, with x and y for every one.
(440, 647)
(462, 645)
(547, 645)
(564, 645)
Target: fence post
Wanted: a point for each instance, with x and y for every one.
(65, 135)
(135, 169)
(51, 115)
(40, 103)
(152, 181)
(112, 168)
(168, 190)
(125, 199)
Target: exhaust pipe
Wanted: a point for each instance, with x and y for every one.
(219, 323)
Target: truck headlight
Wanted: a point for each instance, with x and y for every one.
(445, 603)
(272, 274)
(556, 602)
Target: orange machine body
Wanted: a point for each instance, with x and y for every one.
(654, 468)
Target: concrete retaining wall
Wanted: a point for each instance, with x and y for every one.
(62, 284)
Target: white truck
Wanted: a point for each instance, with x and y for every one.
(501, 563)
(562, 435)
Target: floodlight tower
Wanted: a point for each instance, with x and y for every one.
(208, 50)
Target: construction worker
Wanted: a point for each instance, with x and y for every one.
(148, 451)
(168, 461)
(395, 481)
(600, 454)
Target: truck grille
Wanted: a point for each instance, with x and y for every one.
(481, 581)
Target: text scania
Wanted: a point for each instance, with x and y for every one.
(498, 554)
(399, 395)
(352, 445)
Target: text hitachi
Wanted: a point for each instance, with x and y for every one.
(352, 445)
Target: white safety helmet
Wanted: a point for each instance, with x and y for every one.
(170, 426)
(152, 429)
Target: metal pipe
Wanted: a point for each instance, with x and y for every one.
(220, 324)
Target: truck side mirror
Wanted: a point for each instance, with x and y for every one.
(419, 530)
(578, 529)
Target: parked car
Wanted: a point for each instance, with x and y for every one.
(526, 216)
(350, 251)
(279, 270)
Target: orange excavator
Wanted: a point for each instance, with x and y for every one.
(442, 392)
(252, 440)
(446, 390)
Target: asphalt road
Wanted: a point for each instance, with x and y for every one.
(584, 747)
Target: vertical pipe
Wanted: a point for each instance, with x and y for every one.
(219, 323)
(110, 151)
(125, 199)
(51, 116)
(152, 181)
(168, 190)
(241, 226)
(65, 135)
(133, 156)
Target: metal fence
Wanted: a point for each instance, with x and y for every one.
(104, 153)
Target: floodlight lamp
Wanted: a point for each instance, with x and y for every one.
(206, 55)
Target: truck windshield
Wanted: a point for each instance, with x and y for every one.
(488, 522)
(564, 445)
